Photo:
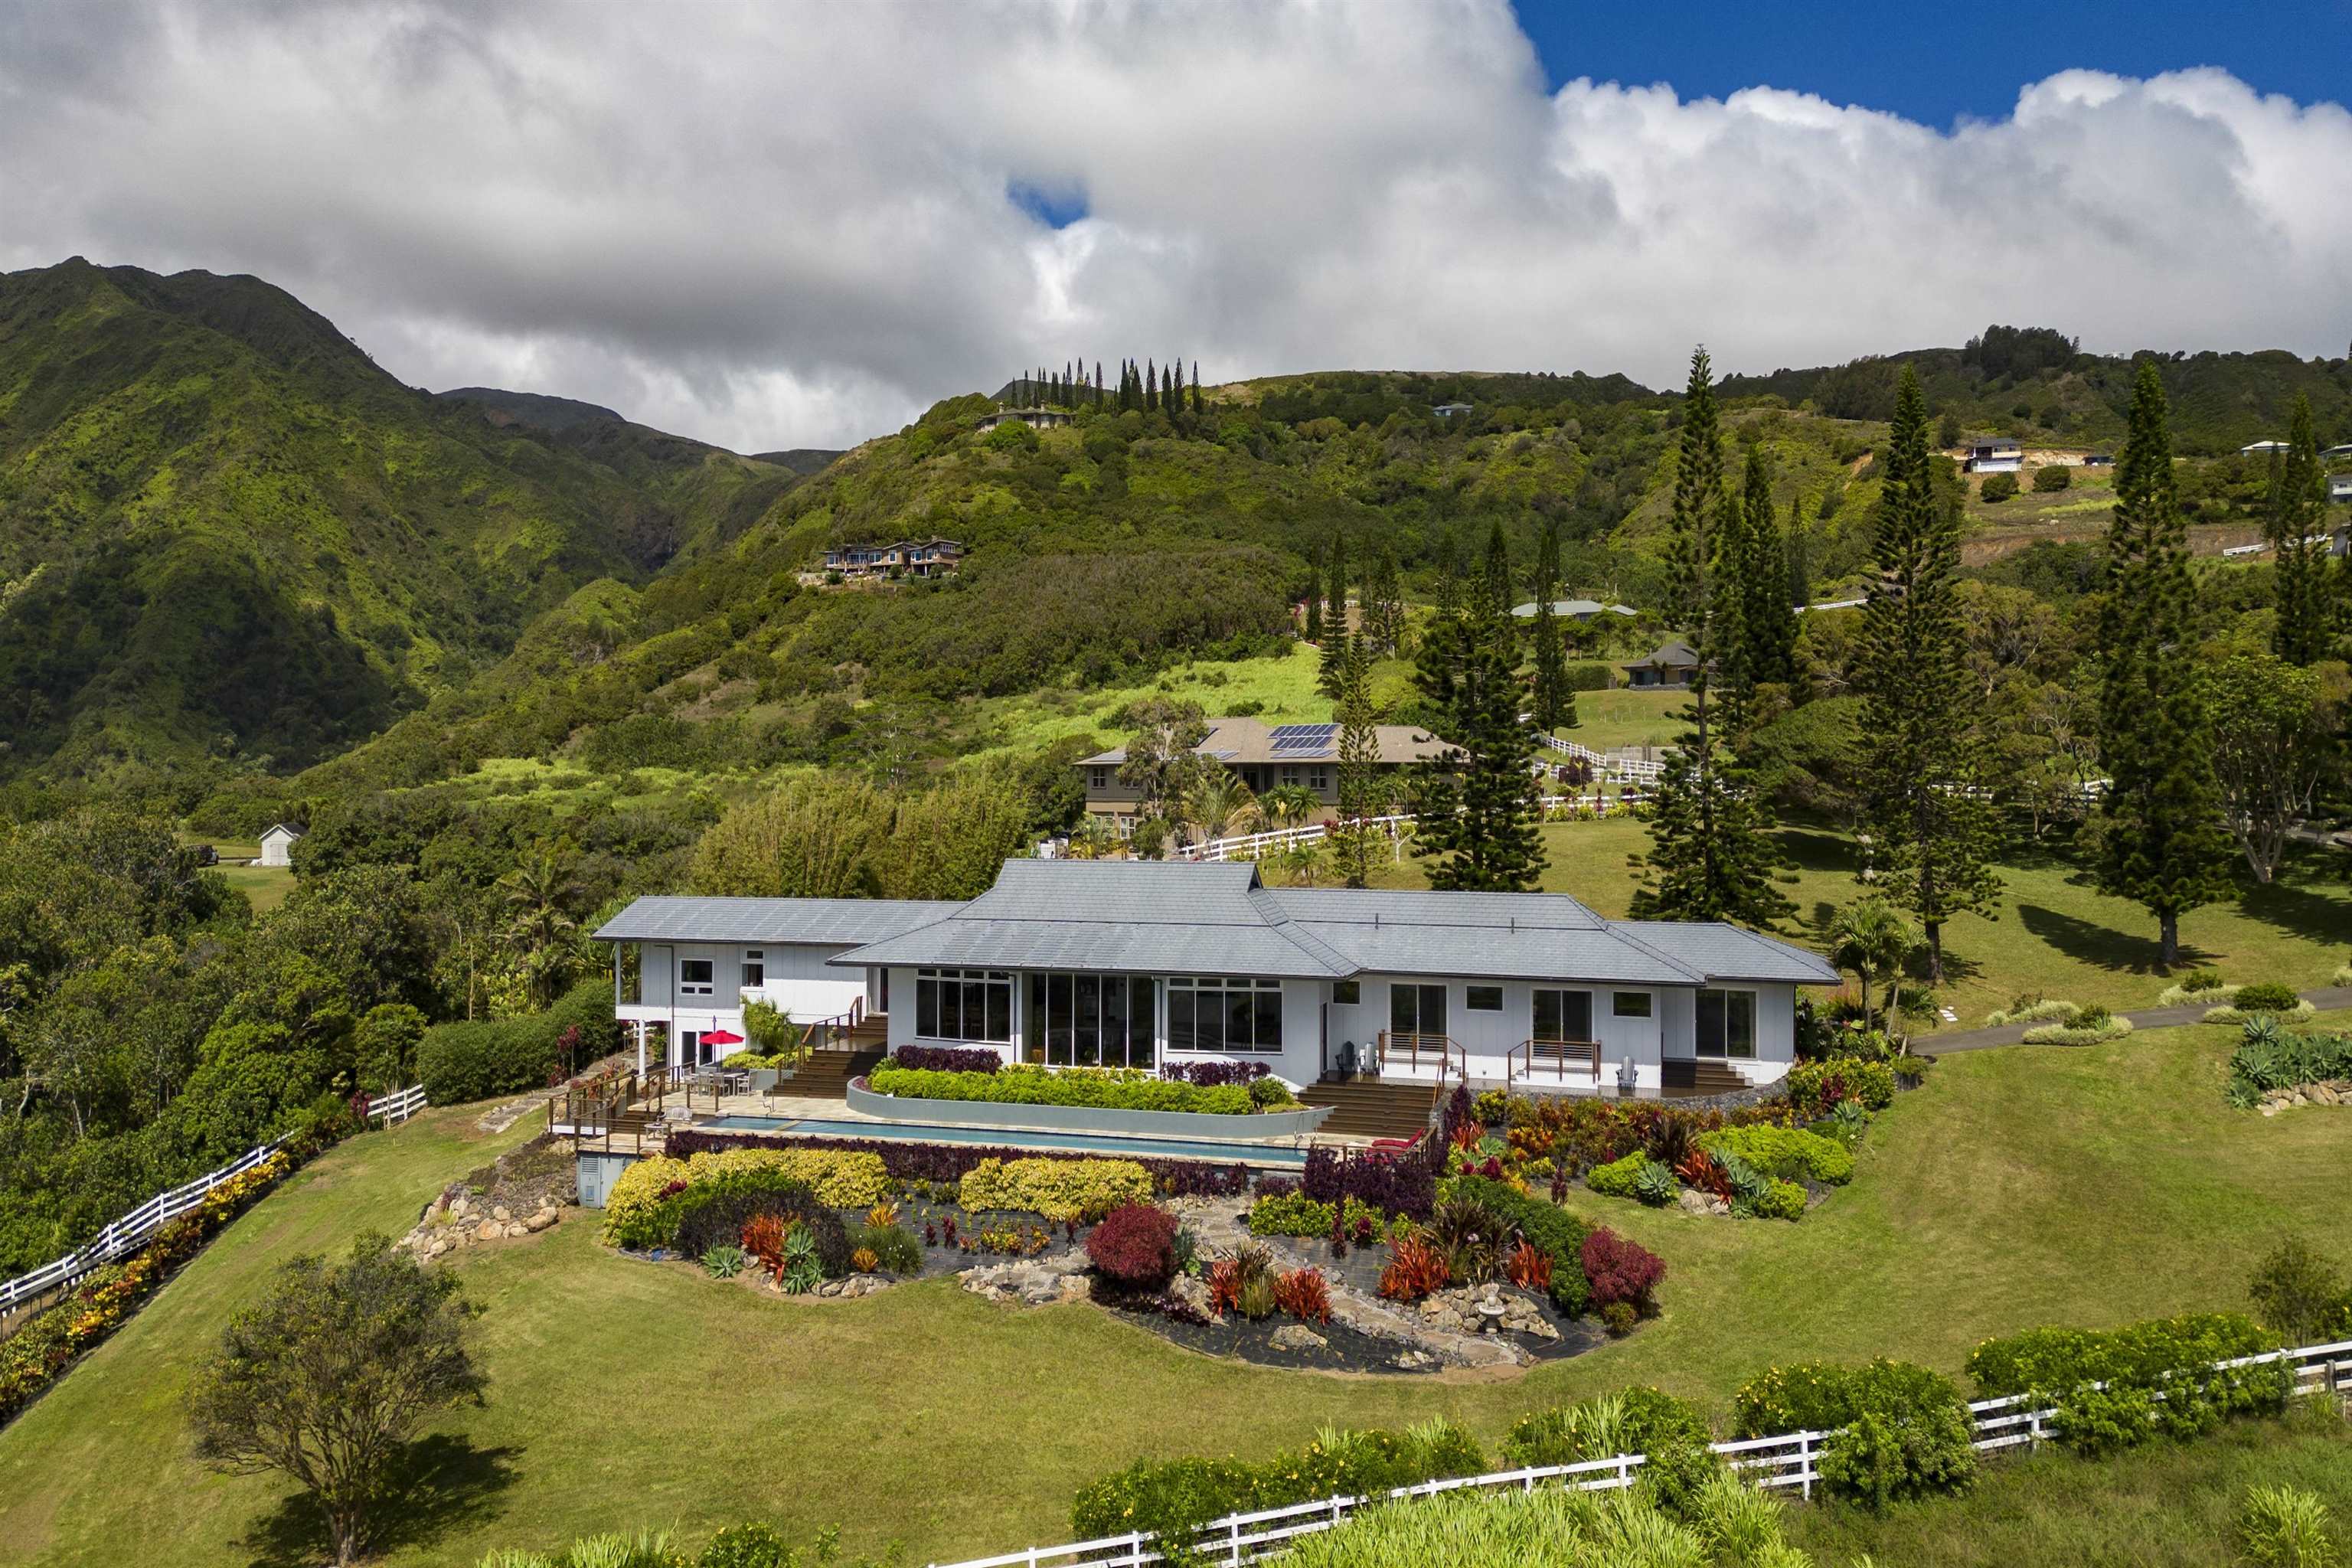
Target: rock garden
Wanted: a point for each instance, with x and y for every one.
(525, 1191)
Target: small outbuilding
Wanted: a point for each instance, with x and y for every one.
(277, 844)
(1669, 664)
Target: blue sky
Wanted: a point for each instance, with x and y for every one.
(1937, 63)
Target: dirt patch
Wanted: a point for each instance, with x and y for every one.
(525, 1179)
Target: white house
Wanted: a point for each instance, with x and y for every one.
(1147, 964)
(277, 844)
(1995, 454)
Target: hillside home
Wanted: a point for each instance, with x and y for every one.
(2263, 449)
(1450, 410)
(1266, 757)
(2339, 486)
(1035, 418)
(1147, 964)
(907, 558)
(278, 841)
(1995, 454)
(1575, 609)
(1670, 663)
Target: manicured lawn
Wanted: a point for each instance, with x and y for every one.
(2167, 1506)
(2053, 933)
(264, 886)
(1605, 720)
(2022, 1186)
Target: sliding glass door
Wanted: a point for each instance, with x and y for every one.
(1416, 1009)
(1727, 1023)
(1090, 1020)
(1563, 1016)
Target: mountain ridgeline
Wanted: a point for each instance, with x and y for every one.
(232, 548)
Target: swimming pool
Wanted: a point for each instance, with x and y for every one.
(1087, 1142)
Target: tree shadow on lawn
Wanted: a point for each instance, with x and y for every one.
(442, 1483)
(2103, 946)
(1814, 849)
(2314, 917)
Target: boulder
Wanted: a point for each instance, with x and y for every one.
(540, 1220)
(1297, 1337)
(458, 1206)
(491, 1230)
(1692, 1200)
(1412, 1360)
(500, 1215)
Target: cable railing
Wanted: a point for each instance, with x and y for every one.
(1531, 1059)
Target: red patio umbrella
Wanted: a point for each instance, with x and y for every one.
(723, 1038)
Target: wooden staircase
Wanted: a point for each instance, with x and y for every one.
(1698, 1079)
(1371, 1108)
(827, 1074)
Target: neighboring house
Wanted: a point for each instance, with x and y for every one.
(2339, 486)
(2261, 449)
(2336, 453)
(1265, 756)
(1574, 609)
(2098, 459)
(1035, 418)
(1149, 963)
(277, 844)
(1450, 410)
(908, 558)
(1669, 664)
(1995, 454)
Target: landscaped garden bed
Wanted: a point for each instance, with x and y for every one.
(1200, 1100)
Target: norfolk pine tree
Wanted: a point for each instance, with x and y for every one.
(1478, 805)
(1360, 756)
(2161, 841)
(1553, 702)
(2305, 630)
(1709, 858)
(1932, 823)
(1315, 594)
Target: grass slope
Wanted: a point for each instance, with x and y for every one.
(2020, 1187)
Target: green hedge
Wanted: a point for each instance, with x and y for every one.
(1591, 675)
(1105, 1088)
(1545, 1225)
(1897, 1430)
(1788, 1153)
(2059, 1367)
(461, 1062)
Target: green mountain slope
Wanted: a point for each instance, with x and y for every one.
(226, 533)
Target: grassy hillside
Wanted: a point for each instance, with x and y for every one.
(225, 533)
(2019, 1187)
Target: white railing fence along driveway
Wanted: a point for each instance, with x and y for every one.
(135, 1229)
(1791, 1459)
(1630, 770)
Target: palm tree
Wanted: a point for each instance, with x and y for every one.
(1290, 804)
(1220, 803)
(1301, 862)
(1873, 938)
(536, 891)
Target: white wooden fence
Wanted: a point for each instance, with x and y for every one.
(1628, 770)
(135, 1229)
(1789, 1460)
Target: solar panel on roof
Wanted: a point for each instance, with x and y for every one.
(1304, 737)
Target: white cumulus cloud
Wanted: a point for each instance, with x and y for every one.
(791, 224)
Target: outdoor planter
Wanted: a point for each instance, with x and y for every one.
(1264, 1126)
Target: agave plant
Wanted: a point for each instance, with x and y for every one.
(723, 1262)
(800, 1272)
(1656, 1185)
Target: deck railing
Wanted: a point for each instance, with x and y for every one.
(135, 1230)
(1789, 1460)
(1532, 1059)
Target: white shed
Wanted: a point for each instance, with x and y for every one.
(277, 844)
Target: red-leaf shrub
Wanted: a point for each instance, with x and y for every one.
(1214, 1075)
(1703, 1171)
(1391, 1184)
(1302, 1294)
(945, 1058)
(1415, 1268)
(1135, 1246)
(1621, 1270)
(1529, 1267)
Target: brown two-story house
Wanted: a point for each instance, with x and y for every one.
(1266, 757)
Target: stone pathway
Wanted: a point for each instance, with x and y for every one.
(2146, 1019)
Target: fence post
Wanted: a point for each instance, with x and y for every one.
(1805, 1463)
(2034, 1431)
(1234, 1528)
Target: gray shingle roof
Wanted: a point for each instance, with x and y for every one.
(1168, 916)
(1177, 917)
(826, 922)
(1731, 953)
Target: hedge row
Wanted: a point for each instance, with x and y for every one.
(463, 1062)
(950, 1162)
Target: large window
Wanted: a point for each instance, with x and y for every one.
(1090, 1020)
(1726, 1023)
(1209, 1013)
(964, 1004)
(694, 977)
(755, 968)
(1416, 1009)
(1563, 1016)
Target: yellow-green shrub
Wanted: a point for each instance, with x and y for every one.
(841, 1178)
(637, 1192)
(1059, 1189)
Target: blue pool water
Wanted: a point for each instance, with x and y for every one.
(1091, 1143)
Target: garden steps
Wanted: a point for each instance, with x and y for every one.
(827, 1074)
(1370, 1108)
(1696, 1079)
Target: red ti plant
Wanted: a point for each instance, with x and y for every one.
(1302, 1294)
(1529, 1267)
(1701, 1170)
(1415, 1268)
